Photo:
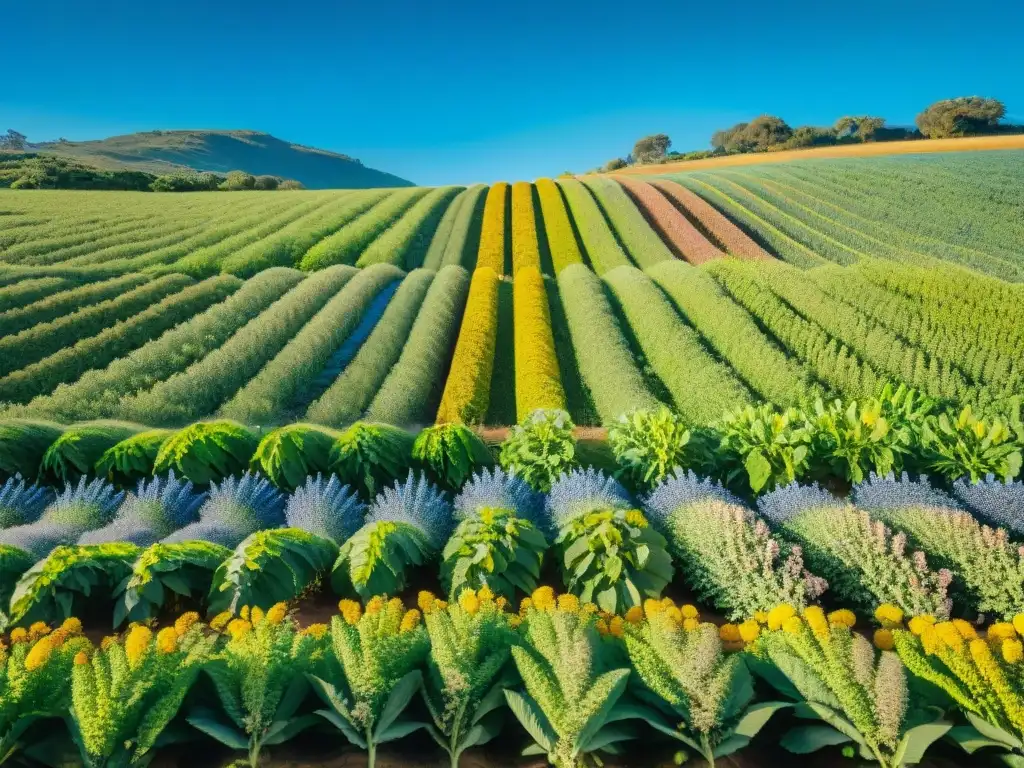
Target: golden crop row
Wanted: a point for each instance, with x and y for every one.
(561, 238)
(538, 381)
(492, 235)
(525, 248)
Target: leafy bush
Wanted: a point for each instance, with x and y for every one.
(854, 694)
(649, 446)
(23, 443)
(375, 673)
(574, 683)
(326, 508)
(370, 456)
(259, 676)
(133, 458)
(771, 447)
(610, 555)
(538, 379)
(79, 448)
(727, 556)
(851, 440)
(865, 563)
(492, 233)
(998, 503)
(450, 453)
(234, 509)
(971, 447)
(288, 455)
(499, 542)
(157, 508)
(467, 670)
(407, 525)
(207, 451)
(22, 503)
(541, 449)
(700, 696)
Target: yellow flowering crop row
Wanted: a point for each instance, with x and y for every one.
(467, 390)
(561, 239)
(538, 381)
(525, 249)
(492, 236)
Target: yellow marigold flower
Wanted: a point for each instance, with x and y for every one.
(425, 601)
(410, 621)
(37, 630)
(653, 607)
(602, 627)
(515, 621)
(376, 604)
(568, 603)
(58, 637)
(1013, 651)
(319, 631)
(779, 614)
(617, 627)
(19, 635)
(929, 639)
(277, 613)
(256, 616)
(81, 658)
(543, 598)
(843, 618)
(440, 605)
(469, 602)
(919, 624)
(220, 621)
(244, 613)
(72, 626)
(729, 633)
(167, 640)
(137, 643)
(1018, 623)
(690, 612)
(749, 630)
(395, 605)
(792, 625)
(501, 602)
(1000, 631)
(636, 518)
(761, 617)
(884, 639)
(635, 615)
(39, 654)
(691, 624)
(351, 611)
(889, 615)
(674, 614)
(485, 593)
(185, 622)
(107, 642)
(589, 608)
(949, 635)
(965, 628)
(238, 627)
(524, 605)
(815, 618)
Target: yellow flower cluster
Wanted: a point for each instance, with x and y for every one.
(39, 654)
(277, 613)
(137, 643)
(167, 640)
(843, 618)
(238, 628)
(410, 621)
(889, 616)
(538, 379)
(561, 239)
(492, 232)
(220, 622)
(636, 518)
(319, 631)
(185, 622)
(351, 611)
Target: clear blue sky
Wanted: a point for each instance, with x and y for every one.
(445, 92)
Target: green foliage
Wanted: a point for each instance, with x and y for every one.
(14, 561)
(962, 116)
(649, 445)
(164, 574)
(375, 675)
(698, 695)
(450, 453)
(598, 239)
(369, 456)
(573, 705)
(78, 449)
(376, 560)
(288, 455)
(124, 697)
(496, 549)
(645, 246)
(64, 583)
(541, 449)
(268, 567)
(405, 244)
(772, 448)
(23, 443)
(132, 459)
(967, 446)
(207, 451)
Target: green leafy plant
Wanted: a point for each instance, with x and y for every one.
(376, 672)
(207, 451)
(697, 694)
(541, 449)
(163, 574)
(771, 448)
(467, 670)
(371, 456)
(75, 453)
(132, 459)
(967, 446)
(573, 704)
(13, 564)
(287, 456)
(260, 678)
(649, 445)
(450, 453)
(23, 443)
(610, 555)
(853, 439)
(69, 579)
(854, 694)
(499, 542)
(125, 695)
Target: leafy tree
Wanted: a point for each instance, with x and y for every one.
(810, 136)
(237, 180)
(652, 149)
(961, 117)
(863, 128)
(758, 135)
(725, 140)
(267, 183)
(614, 164)
(13, 140)
(186, 182)
(291, 184)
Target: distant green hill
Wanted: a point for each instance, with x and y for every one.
(257, 153)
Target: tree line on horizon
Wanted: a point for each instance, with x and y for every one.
(949, 118)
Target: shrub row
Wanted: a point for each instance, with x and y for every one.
(464, 243)
(603, 251)
(525, 247)
(538, 381)
(453, 230)
(561, 238)
(491, 254)
(29, 290)
(467, 391)
(405, 244)
(68, 245)
(687, 240)
(645, 246)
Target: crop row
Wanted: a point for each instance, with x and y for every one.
(456, 239)
(557, 227)
(684, 237)
(405, 244)
(492, 233)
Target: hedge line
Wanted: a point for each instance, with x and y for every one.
(65, 302)
(538, 381)
(26, 291)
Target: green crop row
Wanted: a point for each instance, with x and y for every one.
(602, 249)
(452, 241)
(405, 244)
(561, 238)
(645, 246)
